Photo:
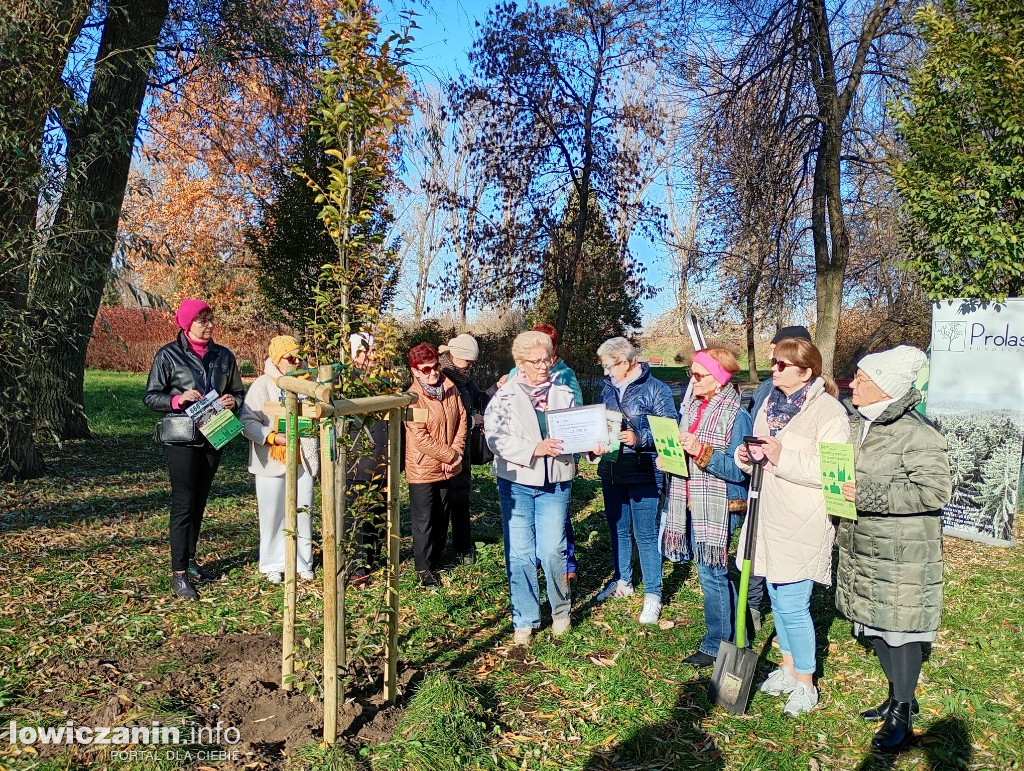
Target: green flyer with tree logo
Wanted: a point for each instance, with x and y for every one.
(670, 451)
(837, 466)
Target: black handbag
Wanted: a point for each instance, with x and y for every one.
(176, 429)
(631, 468)
(479, 453)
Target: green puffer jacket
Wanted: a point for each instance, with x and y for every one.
(890, 557)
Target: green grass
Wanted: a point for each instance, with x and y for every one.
(84, 579)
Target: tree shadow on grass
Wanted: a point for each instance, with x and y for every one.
(946, 746)
(676, 743)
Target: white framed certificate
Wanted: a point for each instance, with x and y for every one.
(581, 429)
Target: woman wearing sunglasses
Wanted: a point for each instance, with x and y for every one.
(433, 458)
(793, 542)
(704, 508)
(267, 452)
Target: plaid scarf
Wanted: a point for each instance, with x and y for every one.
(780, 409)
(705, 495)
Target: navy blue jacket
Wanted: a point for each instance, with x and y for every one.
(644, 396)
(764, 388)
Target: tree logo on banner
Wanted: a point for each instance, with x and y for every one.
(950, 336)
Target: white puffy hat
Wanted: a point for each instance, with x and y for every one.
(464, 347)
(895, 370)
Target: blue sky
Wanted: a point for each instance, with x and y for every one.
(440, 50)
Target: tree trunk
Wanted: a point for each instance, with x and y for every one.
(99, 155)
(37, 36)
(748, 322)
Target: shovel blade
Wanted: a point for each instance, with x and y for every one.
(733, 677)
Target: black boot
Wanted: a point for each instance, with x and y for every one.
(198, 573)
(898, 729)
(880, 712)
(182, 587)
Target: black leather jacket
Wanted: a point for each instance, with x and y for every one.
(176, 369)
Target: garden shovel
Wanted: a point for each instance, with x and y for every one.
(736, 663)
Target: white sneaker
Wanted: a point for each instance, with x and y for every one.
(652, 609)
(307, 575)
(275, 577)
(522, 636)
(804, 698)
(778, 683)
(615, 589)
(560, 626)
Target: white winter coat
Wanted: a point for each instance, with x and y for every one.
(257, 427)
(512, 431)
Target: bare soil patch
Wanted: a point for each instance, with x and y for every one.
(232, 680)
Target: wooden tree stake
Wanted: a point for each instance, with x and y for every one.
(291, 521)
(330, 547)
(394, 448)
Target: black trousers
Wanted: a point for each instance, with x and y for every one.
(430, 510)
(462, 535)
(755, 592)
(371, 531)
(192, 470)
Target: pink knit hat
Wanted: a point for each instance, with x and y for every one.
(187, 312)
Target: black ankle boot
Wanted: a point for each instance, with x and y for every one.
(898, 729)
(880, 712)
(182, 587)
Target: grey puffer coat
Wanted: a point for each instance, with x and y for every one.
(890, 557)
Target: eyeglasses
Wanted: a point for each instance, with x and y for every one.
(426, 369)
(781, 365)
(698, 376)
(545, 362)
(608, 367)
(206, 321)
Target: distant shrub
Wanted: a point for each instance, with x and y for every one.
(125, 339)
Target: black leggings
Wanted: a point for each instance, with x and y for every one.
(902, 665)
(192, 470)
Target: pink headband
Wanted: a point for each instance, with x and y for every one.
(718, 372)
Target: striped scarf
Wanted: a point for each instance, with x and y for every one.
(705, 495)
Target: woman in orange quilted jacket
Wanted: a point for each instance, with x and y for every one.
(433, 458)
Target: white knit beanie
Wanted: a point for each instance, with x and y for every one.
(895, 370)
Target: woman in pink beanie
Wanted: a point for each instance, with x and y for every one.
(182, 373)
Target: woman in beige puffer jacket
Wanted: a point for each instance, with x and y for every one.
(794, 538)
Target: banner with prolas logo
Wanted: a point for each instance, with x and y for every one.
(976, 398)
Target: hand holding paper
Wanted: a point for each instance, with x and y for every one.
(837, 479)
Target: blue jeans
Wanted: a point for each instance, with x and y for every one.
(719, 597)
(637, 505)
(533, 521)
(791, 609)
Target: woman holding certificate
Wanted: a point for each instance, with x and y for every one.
(890, 558)
(794, 535)
(705, 507)
(534, 481)
(183, 372)
(632, 483)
